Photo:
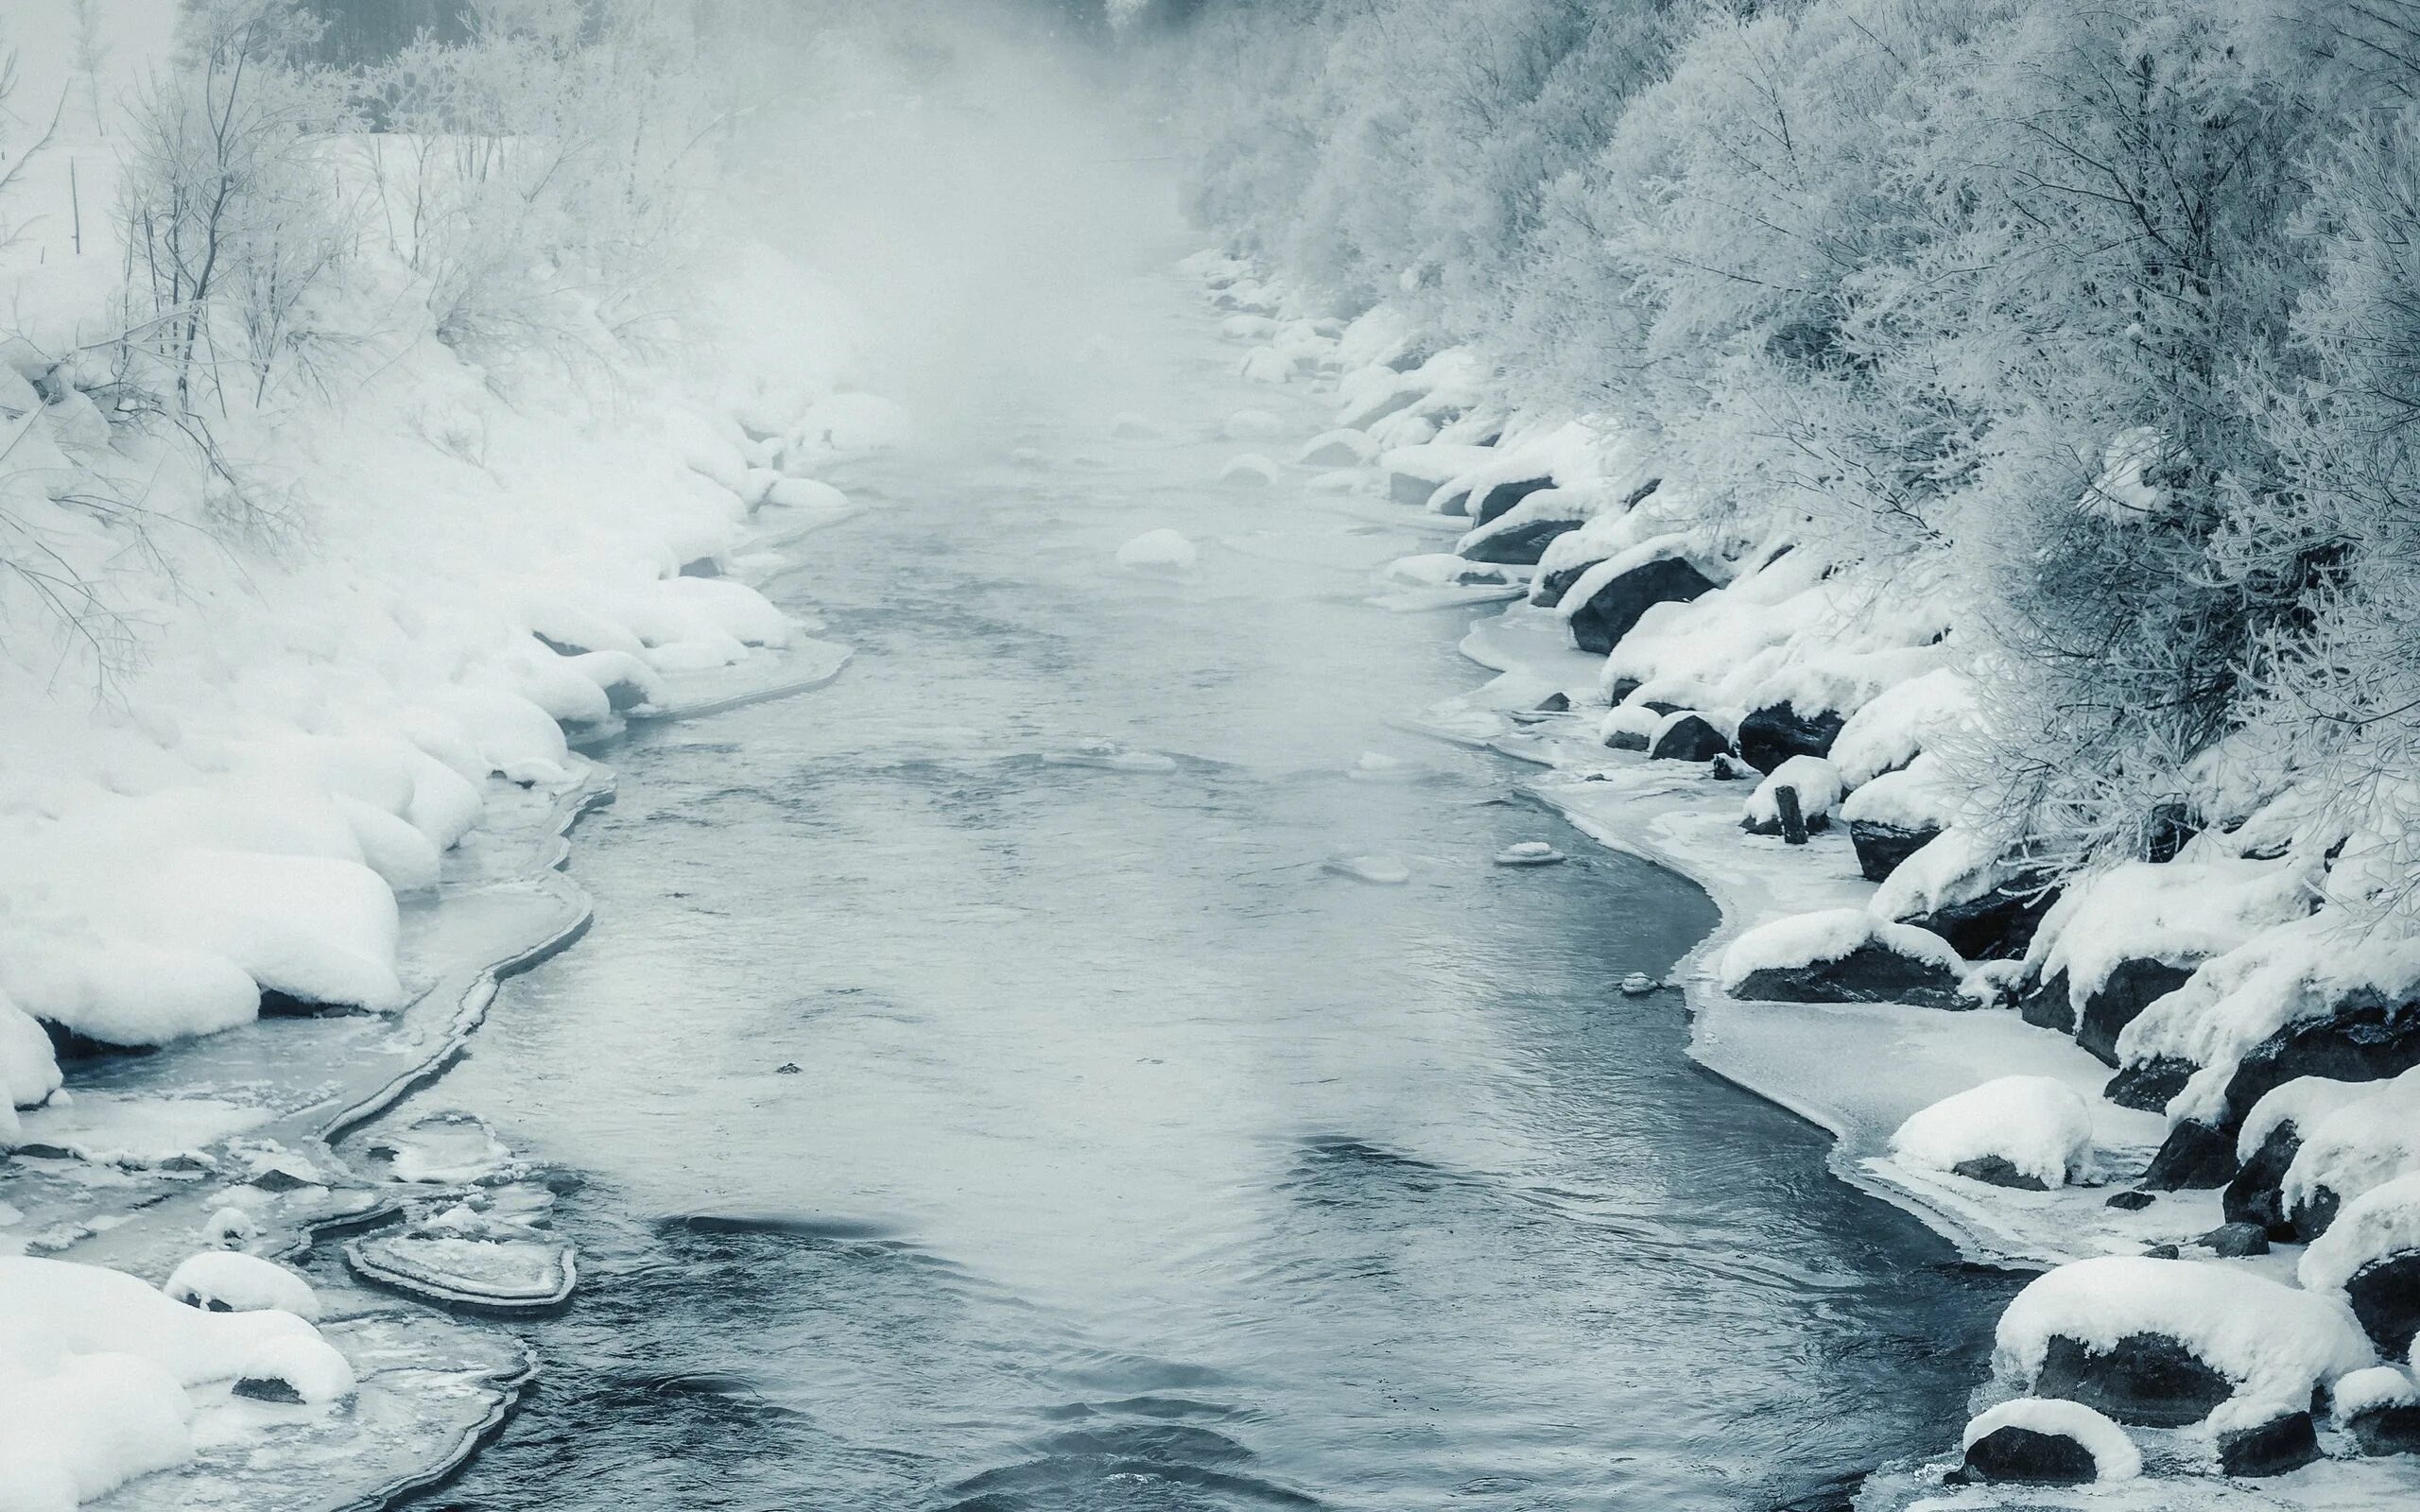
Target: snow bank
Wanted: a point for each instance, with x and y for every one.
(2277, 1342)
(224, 1281)
(1816, 938)
(2382, 1385)
(2113, 1455)
(2040, 1125)
(2177, 912)
(2353, 1137)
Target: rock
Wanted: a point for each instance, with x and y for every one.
(1405, 489)
(1869, 973)
(2020, 1455)
(1687, 738)
(2131, 1201)
(1519, 547)
(2163, 1252)
(268, 1388)
(2389, 1430)
(1504, 496)
(788, 1068)
(1994, 925)
(1625, 740)
(1772, 735)
(2047, 1005)
(1638, 985)
(2235, 1241)
(2131, 989)
(2193, 1155)
(2274, 1447)
(2253, 1196)
(2147, 1086)
(2385, 1294)
(1555, 703)
(2310, 1219)
(2366, 1039)
(1611, 613)
(1726, 767)
(2149, 1380)
(1880, 847)
(701, 567)
(1994, 1170)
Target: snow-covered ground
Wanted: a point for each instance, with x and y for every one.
(1755, 714)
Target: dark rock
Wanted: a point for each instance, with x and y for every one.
(2253, 1194)
(69, 1044)
(1880, 847)
(1870, 973)
(1555, 703)
(788, 1068)
(1405, 489)
(277, 1005)
(2163, 1252)
(2022, 1454)
(2135, 985)
(2388, 1430)
(1614, 610)
(561, 647)
(2193, 1155)
(1626, 740)
(1772, 735)
(1521, 545)
(2046, 1004)
(1504, 496)
(702, 567)
(1793, 819)
(2366, 1039)
(1994, 925)
(2276, 1447)
(266, 1389)
(2146, 1086)
(1689, 738)
(273, 1179)
(1726, 767)
(2234, 1240)
(2131, 1201)
(2149, 1380)
(1995, 1171)
(2385, 1294)
(2166, 831)
(2314, 1215)
(624, 694)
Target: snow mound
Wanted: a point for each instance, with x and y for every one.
(2380, 1385)
(2277, 1342)
(2113, 1455)
(2176, 912)
(295, 1368)
(2038, 1125)
(2382, 1221)
(1252, 425)
(1251, 470)
(1384, 871)
(1829, 935)
(225, 1281)
(1163, 550)
(1816, 781)
(1901, 721)
(2362, 1136)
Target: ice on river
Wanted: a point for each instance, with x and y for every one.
(1108, 756)
(1385, 870)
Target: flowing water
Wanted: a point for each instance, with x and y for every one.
(964, 1125)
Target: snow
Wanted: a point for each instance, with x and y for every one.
(1252, 425)
(1251, 470)
(2113, 1455)
(1810, 939)
(2036, 1123)
(1902, 720)
(226, 1280)
(309, 1367)
(2383, 1221)
(1919, 796)
(1816, 781)
(2300, 1102)
(93, 1369)
(1384, 871)
(1529, 853)
(2353, 1137)
(2278, 1342)
(2122, 493)
(2382, 1385)
(1162, 551)
(2177, 912)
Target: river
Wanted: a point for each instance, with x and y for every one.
(963, 1125)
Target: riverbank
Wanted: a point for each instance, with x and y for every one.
(1685, 688)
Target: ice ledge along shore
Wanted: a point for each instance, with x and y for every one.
(1739, 705)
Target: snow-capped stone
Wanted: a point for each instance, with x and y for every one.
(1842, 956)
(301, 1370)
(2047, 1441)
(2033, 1132)
(226, 1280)
(1159, 551)
(2164, 1342)
(1817, 785)
(2370, 1257)
(1773, 734)
(1686, 735)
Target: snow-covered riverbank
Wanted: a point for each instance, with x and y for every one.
(1757, 714)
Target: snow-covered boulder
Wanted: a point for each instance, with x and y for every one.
(1813, 781)
(2380, 1407)
(1519, 537)
(2029, 1132)
(2265, 1148)
(1628, 727)
(2370, 1256)
(294, 1368)
(1902, 721)
(2356, 1136)
(226, 1280)
(1843, 955)
(1159, 551)
(2258, 1438)
(1772, 735)
(1603, 602)
(1248, 471)
(1686, 735)
(1897, 814)
(2163, 1343)
(2045, 1441)
(1339, 449)
(1492, 502)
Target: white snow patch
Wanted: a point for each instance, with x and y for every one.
(237, 1282)
(1163, 550)
(2382, 1385)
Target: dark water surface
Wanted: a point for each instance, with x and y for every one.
(1133, 1157)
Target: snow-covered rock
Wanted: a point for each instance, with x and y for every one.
(2371, 1257)
(2033, 1132)
(1159, 551)
(2043, 1440)
(1817, 785)
(226, 1280)
(1842, 956)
